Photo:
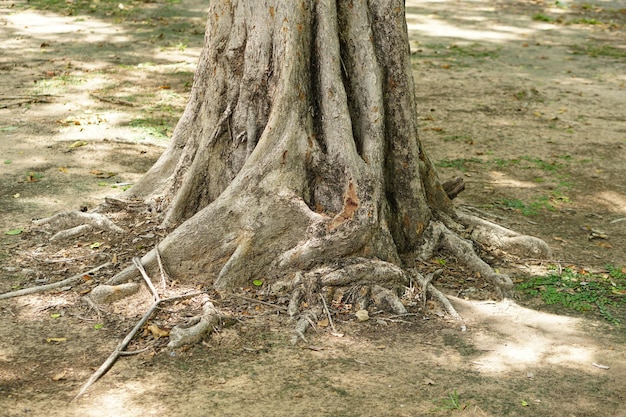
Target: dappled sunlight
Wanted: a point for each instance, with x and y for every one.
(503, 180)
(516, 338)
(439, 28)
(48, 27)
(612, 200)
(31, 306)
(459, 24)
(123, 401)
(96, 42)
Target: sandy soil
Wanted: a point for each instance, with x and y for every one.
(525, 99)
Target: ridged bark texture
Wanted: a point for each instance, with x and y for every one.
(299, 145)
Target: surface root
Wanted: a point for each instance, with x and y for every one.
(438, 236)
(495, 236)
(68, 281)
(72, 223)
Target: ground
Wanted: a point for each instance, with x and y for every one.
(524, 99)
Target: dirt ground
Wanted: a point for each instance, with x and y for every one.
(525, 99)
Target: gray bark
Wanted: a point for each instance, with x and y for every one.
(299, 147)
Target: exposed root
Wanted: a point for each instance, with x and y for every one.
(387, 300)
(429, 289)
(59, 284)
(72, 232)
(106, 294)
(72, 223)
(181, 335)
(453, 187)
(495, 236)
(437, 236)
(363, 281)
(307, 318)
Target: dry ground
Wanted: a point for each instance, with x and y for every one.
(525, 99)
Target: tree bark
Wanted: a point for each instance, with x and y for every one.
(297, 158)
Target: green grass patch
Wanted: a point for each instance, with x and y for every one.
(603, 295)
(458, 138)
(596, 51)
(543, 165)
(551, 166)
(540, 17)
(57, 84)
(585, 21)
(451, 402)
(503, 163)
(527, 209)
(459, 164)
(157, 128)
(473, 51)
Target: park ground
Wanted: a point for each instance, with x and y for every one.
(524, 99)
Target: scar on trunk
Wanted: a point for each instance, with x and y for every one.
(350, 205)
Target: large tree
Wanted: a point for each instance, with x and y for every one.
(297, 160)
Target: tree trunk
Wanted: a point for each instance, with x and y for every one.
(298, 158)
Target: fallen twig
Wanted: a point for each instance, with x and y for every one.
(164, 275)
(25, 100)
(330, 319)
(42, 288)
(122, 345)
(146, 278)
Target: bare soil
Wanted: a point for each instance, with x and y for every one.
(524, 99)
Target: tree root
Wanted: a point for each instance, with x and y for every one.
(73, 223)
(181, 335)
(495, 236)
(437, 236)
(361, 280)
(54, 285)
(429, 288)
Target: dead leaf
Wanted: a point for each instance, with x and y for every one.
(157, 332)
(164, 87)
(56, 339)
(63, 170)
(77, 144)
(59, 376)
(323, 323)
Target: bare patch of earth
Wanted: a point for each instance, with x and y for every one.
(524, 99)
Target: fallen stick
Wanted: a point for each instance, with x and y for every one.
(330, 319)
(42, 288)
(118, 351)
(146, 278)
